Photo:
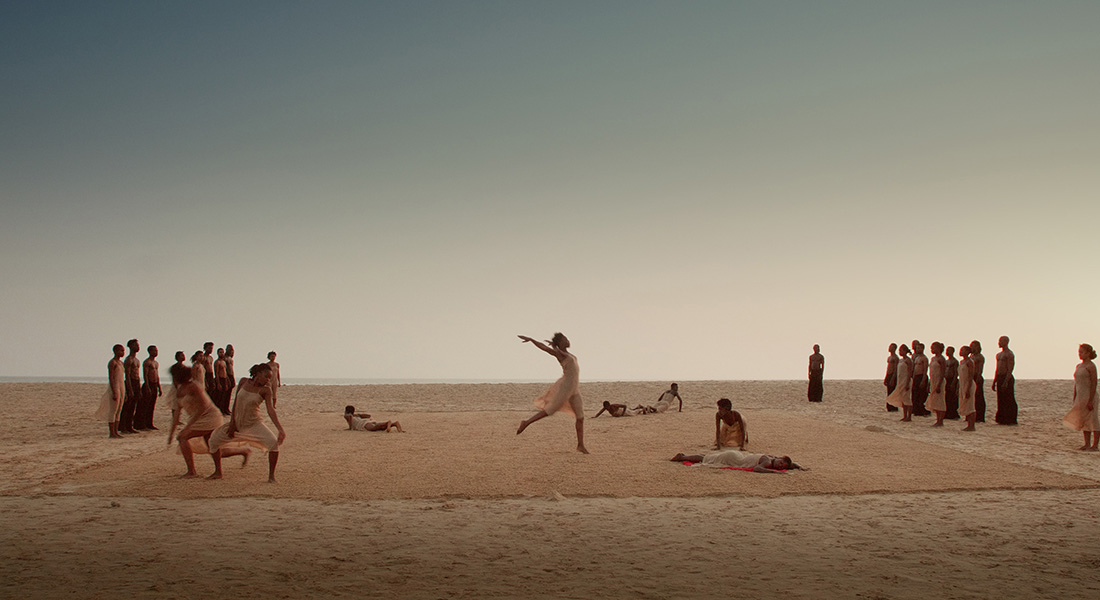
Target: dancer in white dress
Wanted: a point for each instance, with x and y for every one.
(246, 424)
(564, 395)
(967, 409)
(1084, 415)
(203, 417)
(902, 396)
(759, 463)
(937, 398)
(361, 422)
(110, 405)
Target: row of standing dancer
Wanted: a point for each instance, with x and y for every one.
(948, 387)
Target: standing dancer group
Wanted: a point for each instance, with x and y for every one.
(951, 388)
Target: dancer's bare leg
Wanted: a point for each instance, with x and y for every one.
(217, 456)
(112, 429)
(524, 423)
(970, 421)
(693, 458)
(184, 439)
(1095, 441)
(272, 460)
(396, 425)
(939, 418)
(245, 452)
(1086, 446)
(580, 436)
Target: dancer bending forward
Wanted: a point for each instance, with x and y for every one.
(564, 395)
(246, 424)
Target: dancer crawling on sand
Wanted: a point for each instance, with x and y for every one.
(759, 463)
(246, 424)
(204, 417)
(1083, 416)
(619, 410)
(359, 422)
(564, 395)
(729, 428)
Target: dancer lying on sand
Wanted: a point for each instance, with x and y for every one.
(204, 417)
(564, 395)
(729, 428)
(759, 463)
(245, 423)
(359, 422)
(619, 410)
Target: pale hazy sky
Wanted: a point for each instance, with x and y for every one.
(688, 190)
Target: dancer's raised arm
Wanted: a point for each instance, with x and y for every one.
(541, 346)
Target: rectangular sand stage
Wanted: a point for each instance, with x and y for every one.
(462, 507)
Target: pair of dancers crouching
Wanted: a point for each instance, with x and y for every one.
(245, 427)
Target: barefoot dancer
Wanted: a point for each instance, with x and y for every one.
(1084, 416)
(729, 428)
(245, 423)
(111, 404)
(564, 395)
(967, 408)
(358, 422)
(204, 417)
(902, 397)
(937, 399)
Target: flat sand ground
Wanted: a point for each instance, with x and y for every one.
(461, 507)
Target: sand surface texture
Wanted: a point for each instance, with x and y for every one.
(460, 506)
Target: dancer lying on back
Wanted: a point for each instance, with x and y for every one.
(759, 463)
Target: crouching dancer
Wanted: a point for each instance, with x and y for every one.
(246, 424)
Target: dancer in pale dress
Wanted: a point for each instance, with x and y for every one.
(620, 410)
(565, 394)
(730, 429)
(203, 417)
(359, 422)
(902, 397)
(1084, 415)
(966, 388)
(759, 463)
(246, 424)
(937, 399)
(110, 405)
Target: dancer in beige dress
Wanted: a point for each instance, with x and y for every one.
(246, 424)
(203, 417)
(1084, 415)
(760, 463)
(361, 422)
(966, 388)
(730, 430)
(110, 405)
(565, 394)
(902, 396)
(937, 397)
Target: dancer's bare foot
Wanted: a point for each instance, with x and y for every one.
(1094, 449)
(271, 479)
(247, 455)
(189, 475)
(582, 449)
(115, 436)
(215, 475)
(522, 425)
(938, 424)
(969, 428)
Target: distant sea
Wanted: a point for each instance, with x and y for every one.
(291, 381)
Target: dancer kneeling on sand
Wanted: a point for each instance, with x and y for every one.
(729, 428)
(190, 397)
(565, 394)
(759, 463)
(246, 424)
(359, 422)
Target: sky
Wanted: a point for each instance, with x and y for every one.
(688, 190)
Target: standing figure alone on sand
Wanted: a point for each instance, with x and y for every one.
(902, 394)
(565, 394)
(816, 372)
(1084, 414)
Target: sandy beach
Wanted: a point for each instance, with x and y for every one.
(461, 507)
